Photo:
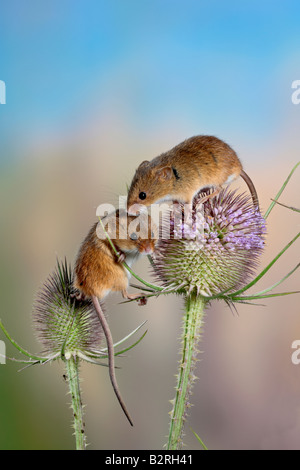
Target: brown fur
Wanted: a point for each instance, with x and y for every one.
(97, 268)
(197, 163)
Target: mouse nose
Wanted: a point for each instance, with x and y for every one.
(147, 247)
(136, 209)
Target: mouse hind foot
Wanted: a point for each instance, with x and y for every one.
(139, 297)
(210, 196)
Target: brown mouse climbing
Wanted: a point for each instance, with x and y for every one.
(98, 270)
(179, 174)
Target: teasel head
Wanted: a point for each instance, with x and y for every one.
(63, 323)
(208, 255)
(68, 329)
(216, 250)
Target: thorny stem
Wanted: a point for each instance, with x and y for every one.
(72, 369)
(192, 323)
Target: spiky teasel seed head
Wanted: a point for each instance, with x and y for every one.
(216, 250)
(63, 323)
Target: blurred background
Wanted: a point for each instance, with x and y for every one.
(93, 88)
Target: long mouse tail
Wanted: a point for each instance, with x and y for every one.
(111, 356)
(251, 187)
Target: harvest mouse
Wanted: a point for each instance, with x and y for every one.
(98, 270)
(179, 174)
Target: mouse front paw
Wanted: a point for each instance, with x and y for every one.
(142, 301)
(78, 296)
(121, 256)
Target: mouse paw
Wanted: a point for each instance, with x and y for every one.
(78, 296)
(142, 301)
(138, 297)
(121, 256)
(209, 196)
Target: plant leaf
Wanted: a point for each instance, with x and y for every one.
(199, 439)
(288, 207)
(264, 271)
(19, 348)
(280, 191)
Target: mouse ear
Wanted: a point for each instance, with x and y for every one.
(143, 164)
(165, 173)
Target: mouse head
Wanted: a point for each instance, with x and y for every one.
(150, 184)
(129, 233)
(142, 233)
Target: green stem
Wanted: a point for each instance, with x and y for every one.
(72, 369)
(192, 323)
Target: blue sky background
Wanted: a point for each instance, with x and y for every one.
(223, 67)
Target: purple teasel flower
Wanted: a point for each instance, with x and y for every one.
(216, 250)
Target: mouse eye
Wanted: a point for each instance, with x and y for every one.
(133, 236)
(142, 196)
